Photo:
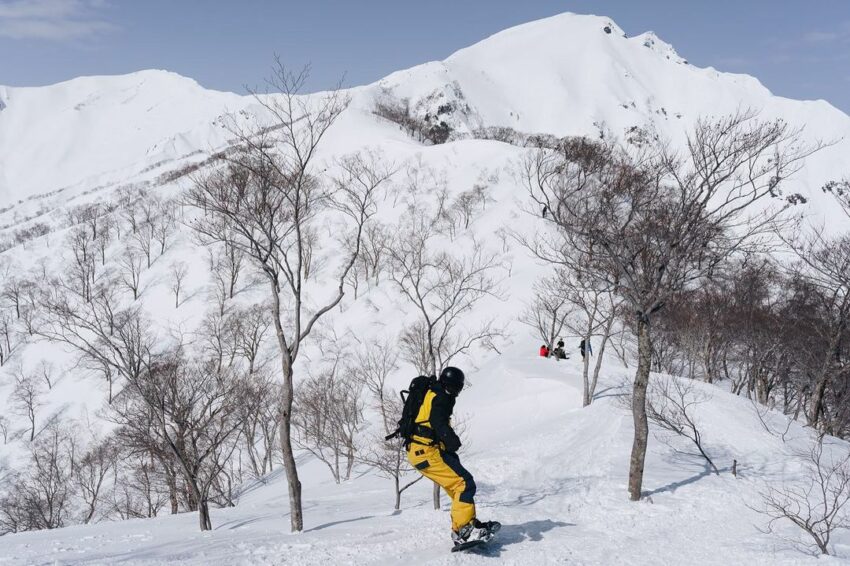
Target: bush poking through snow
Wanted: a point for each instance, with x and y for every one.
(817, 503)
(670, 405)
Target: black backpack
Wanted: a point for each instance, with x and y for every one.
(412, 398)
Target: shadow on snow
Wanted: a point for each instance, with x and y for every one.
(513, 534)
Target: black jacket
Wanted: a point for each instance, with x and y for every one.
(440, 420)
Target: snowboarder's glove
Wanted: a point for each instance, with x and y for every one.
(452, 444)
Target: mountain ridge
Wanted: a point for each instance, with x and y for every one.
(563, 75)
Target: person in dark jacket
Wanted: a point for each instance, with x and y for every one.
(433, 452)
(559, 353)
(585, 349)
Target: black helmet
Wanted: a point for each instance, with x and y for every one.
(451, 378)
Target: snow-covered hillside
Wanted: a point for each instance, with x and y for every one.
(565, 75)
(554, 473)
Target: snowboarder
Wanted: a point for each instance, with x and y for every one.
(544, 351)
(432, 450)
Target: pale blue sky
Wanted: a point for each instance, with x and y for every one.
(799, 49)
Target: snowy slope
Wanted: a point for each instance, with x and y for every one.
(59, 135)
(553, 473)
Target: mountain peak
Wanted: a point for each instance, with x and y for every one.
(570, 34)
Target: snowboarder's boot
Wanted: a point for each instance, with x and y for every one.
(484, 530)
(462, 535)
(475, 530)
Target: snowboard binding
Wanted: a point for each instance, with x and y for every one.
(475, 534)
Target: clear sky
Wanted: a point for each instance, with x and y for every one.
(798, 48)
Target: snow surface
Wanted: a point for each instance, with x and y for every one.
(553, 473)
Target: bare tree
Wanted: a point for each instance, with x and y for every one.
(650, 221)
(45, 371)
(41, 498)
(13, 292)
(130, 265)
(442, 287)
(468, 203)
(671, 404)
(595, 307)
(260, 421)
(29, 307)
(376, 239)
(90, 473)
(130, 210)
(264, 201)
(250, 329)
(179, 271)
(548, 312)
(107, 337)
(90, 215)
(825, 263)
(190, 410)
(164, 223)
(816, 504)
(82, 270)
(217, 338)
(140, 490)
(8, 337)
(27, 398)
(4, 429)
(104, 237)
(373, 364)
(225, 261)
(328, 417)
(145, 230)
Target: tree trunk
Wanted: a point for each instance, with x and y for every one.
(397, 493)
(171, 482)
(816, 403)
(587, 395)
(606, 335)
(204, 514)
(436, 496)
(639, 409)
(296, 518)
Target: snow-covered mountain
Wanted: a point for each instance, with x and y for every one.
(555, 473)
(564, 75)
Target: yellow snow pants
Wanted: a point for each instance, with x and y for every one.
(444, 469)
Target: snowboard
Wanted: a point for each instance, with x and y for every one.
(470, 544)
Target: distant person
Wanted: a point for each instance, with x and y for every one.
(559, 352)
(544, 351)
(545, 208)
(585, 348)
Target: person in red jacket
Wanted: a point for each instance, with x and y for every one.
(544, 351)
